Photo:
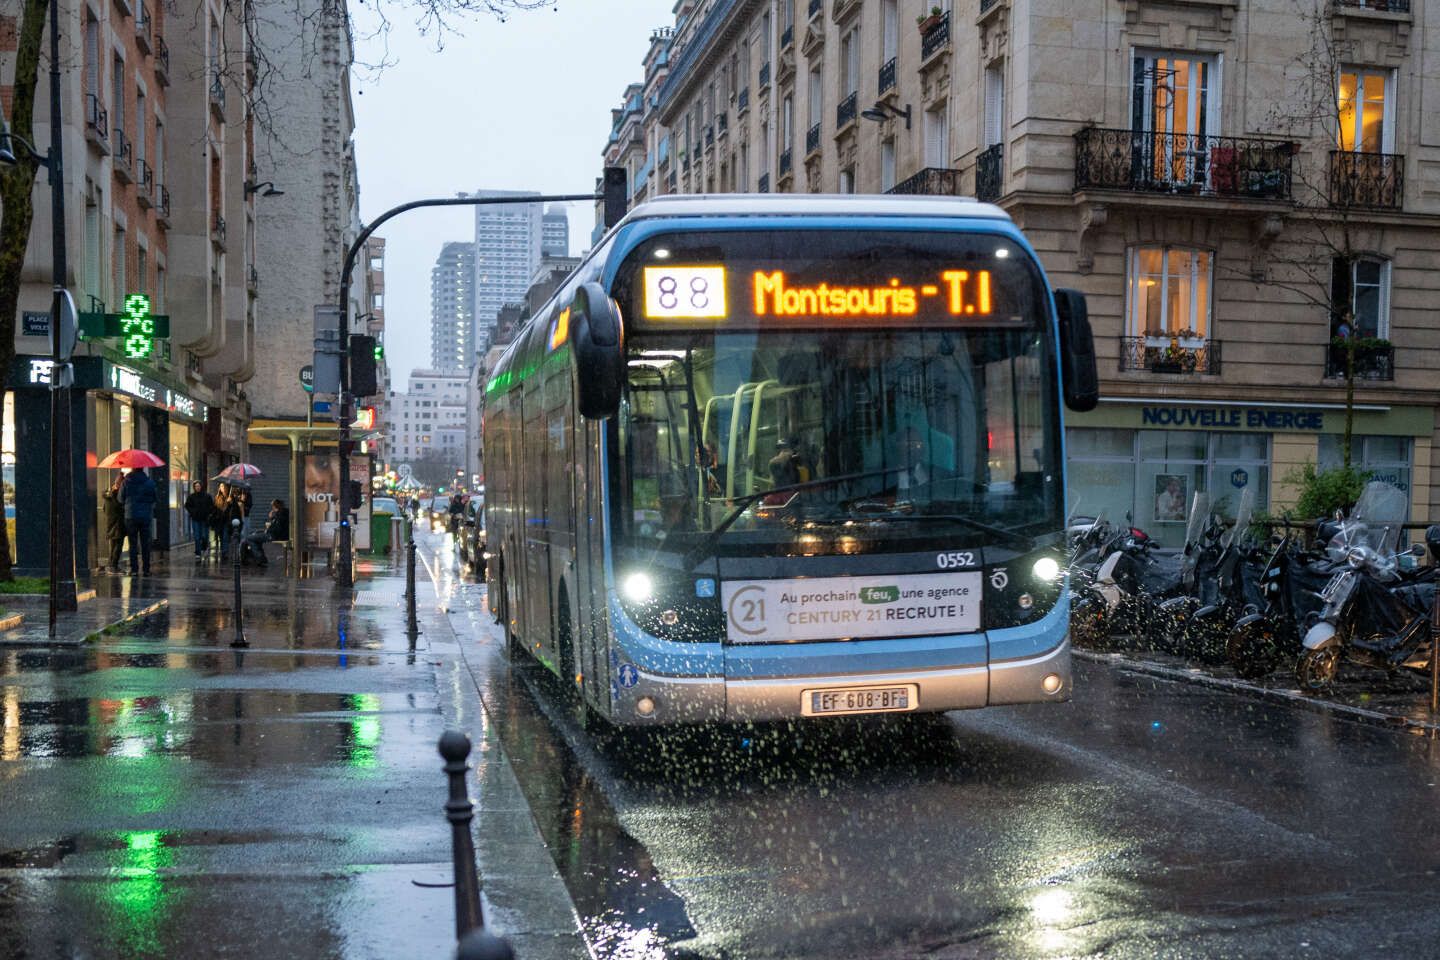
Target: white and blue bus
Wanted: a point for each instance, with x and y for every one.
(766, 457)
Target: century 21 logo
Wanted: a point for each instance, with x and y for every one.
(137, 327)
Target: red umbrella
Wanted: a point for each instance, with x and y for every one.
(238, 471)
(132, 458)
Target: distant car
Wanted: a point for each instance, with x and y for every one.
(385, 505)
(440, 510)
(472, 534)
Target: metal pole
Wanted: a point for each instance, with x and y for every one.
(343, 330)
(483, 945)
(239, 640)
(412, 627)
(1434, 644)
(62, 536)
(455, 747)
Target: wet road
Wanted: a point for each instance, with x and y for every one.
(1148, 818)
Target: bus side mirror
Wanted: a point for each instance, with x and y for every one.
(598, 342)
(1077, 351)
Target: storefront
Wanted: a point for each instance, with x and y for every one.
(112, 407)
(1147, 458)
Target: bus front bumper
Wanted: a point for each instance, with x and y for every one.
(664, 700)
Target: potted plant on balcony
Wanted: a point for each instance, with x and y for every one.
(1190, 340)
(927, 23)
(1156, 338)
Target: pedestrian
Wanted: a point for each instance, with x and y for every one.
(277, 527)
(227, 508)
(137, 495)
(114, 522)
(200, 506)
(457, 506)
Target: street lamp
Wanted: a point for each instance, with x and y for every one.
(62, 536)
(883, 111)
(266, 185)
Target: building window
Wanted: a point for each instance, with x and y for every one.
(1384, 458)
(1366, 111)
(847, 180)
(889, 30)
(117, 268)
(1168, 292)
(139, 125)
(787, 122)
(141, 269)
(1174, 102)
(117, 93)
(994, 104)
(817, 94)
(850, 62)
(1362, 286)
(887, 165)
(937, 137)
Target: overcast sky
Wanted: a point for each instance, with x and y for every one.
(520, 105)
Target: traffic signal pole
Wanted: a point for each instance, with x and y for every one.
(614, 197)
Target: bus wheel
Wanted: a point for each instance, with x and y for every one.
(512, 642)
(571, 689)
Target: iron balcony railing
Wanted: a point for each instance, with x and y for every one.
(1152, 162)
(1367, 179)
(253, 281)
(97, 118)
(935, 39)
(812, 139)
(217, 232)
(932, 182)
(764, 76)
(162, 61)
(887, 76)
(785, 161)
(987, 4)
(815, 7)
(742, 102)
(120, 153)
(1157, 356)
(1389, 6)
(1372, 362)
(787, 37)
(990, 173)
(764, 183)
(145, 177)
(217, 95)
(845, 111)
(162, 208)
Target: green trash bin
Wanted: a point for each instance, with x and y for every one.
(380, 532)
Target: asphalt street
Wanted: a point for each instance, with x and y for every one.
(1147, 818)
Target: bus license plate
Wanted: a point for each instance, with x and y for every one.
(835, 700)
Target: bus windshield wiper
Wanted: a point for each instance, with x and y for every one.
(742, 503)
(1019, 539)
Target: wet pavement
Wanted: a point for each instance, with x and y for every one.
(165, 795)
(1151, 817)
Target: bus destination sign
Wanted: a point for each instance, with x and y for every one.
(699, 292)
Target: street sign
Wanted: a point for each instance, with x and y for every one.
(327, 372)
(307, 378)
(34, 324)
(1239, 479)
(322, 406)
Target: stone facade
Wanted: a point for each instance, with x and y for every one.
(1231, 188)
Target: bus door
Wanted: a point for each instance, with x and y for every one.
(590, 562)
(535, 594)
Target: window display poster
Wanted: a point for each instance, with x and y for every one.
(1170, 497)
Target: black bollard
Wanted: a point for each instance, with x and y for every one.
(412, 627)
(239, 640)
(455, 747)
(483, 945)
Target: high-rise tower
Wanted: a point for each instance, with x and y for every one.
(507, 250)
(452, 308)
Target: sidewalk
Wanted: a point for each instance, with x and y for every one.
(167, 796)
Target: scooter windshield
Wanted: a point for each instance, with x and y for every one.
(1374, 523)
(1243, 515)
(1199, 513)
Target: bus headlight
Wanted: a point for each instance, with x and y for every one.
(638, 587)
(1046, 569)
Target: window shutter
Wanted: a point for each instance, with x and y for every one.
(994, 104)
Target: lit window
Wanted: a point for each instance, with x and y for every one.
(1168, 292)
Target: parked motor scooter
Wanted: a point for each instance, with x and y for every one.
(1374, 610)
(1288, 585)
(1136, 579)
(1226, 587)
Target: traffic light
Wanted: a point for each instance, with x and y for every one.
(363, 374)
(614, 193)
(357, 490)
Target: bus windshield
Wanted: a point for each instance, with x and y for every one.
(893, 390)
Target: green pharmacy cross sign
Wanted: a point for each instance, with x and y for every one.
(135, 327)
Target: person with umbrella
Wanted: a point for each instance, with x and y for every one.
(227, 508)
(137, 495)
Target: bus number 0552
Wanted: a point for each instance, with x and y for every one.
(954, 560)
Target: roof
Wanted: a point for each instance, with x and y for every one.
(815, 204)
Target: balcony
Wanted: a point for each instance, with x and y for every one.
(143, 25)
(121, 158)
(722, 124)
(217, 232)
(709, 135)
(742, 102)
(787, 37)
(887, 76)
(217, 98)
(930, 182)
(1373, 180)
(785, 161)
(97, 124)
(1374, 359)
(764, 183)
(162, 61)
(162, 207)
(145, 178)
(1384, 6)
(812, 140)
(765, 77)
(990, 173)
(934, 35)
(845, 112)
(1172, 355)
(1250, 168)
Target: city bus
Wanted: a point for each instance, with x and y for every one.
(769, 457)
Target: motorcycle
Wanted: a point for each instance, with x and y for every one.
(1376, 604)
(1137, 581)
(1288, 585)
(1226, 588)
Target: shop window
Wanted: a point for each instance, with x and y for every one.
(1384, 458)
(1168, 290)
